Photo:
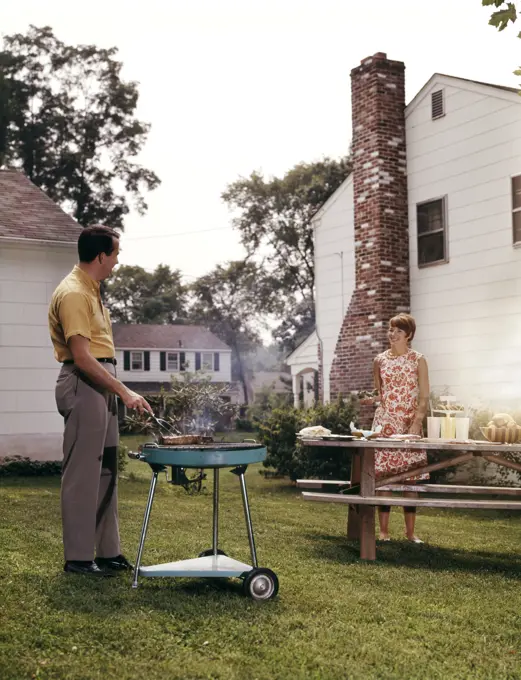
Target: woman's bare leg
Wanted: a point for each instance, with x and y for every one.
(409, 515)
(384, 512)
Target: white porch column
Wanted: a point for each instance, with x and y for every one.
(296, 390)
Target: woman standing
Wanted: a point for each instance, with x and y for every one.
(401, 378)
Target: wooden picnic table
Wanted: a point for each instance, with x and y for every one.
(361, 514)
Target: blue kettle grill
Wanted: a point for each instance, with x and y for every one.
(258, 582)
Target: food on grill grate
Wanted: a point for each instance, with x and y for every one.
(212, 446)
(178, 439)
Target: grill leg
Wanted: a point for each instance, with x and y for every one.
(215, 541)
(247, 515)
(145, 526)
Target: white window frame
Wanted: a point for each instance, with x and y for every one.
(142, 359)
(205, 365)
(168, 366)
(444, 230)
(517, 244)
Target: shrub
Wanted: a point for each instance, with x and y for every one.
(245, 425)
(20, 466)
(122, 457)
(279, 429)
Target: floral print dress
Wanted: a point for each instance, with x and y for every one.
(399, 394)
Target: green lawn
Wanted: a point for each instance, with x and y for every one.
(449, 609)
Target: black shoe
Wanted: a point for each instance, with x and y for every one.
(118, 563)
(87, 568)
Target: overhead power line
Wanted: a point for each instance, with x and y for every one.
(182, 233)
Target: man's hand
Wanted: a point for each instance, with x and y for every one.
(136, 401)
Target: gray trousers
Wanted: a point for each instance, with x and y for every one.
(90, 466)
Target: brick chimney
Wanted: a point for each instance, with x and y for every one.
(381, 224)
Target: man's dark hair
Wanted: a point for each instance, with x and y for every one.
(96, 240)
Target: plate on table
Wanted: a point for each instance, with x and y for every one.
(339, 437)
(438, 440)
(405, 437)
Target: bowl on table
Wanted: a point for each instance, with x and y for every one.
(502, 435)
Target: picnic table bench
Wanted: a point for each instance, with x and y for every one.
(359, 492)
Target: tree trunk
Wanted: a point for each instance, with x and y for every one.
(242, 376)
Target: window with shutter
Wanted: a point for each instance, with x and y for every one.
(136, 361)
(437, 104)
(173, 361)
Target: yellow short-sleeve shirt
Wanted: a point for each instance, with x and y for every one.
(76, 309)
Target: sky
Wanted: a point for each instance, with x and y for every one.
(233, 86)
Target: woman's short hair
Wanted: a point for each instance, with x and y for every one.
(406, 323)
(96, 240)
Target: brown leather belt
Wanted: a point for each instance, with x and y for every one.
(109, 360)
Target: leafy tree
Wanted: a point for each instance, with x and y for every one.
(505, 14)
(67, 119)
(274, 220)
(134, 295)
(225, 301)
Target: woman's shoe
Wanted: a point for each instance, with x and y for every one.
(414, 539)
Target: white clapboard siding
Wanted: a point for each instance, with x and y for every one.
(29, 422)
(334, 247)
(468, 310)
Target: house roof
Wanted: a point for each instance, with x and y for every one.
(27, 213)
(334, 197)
(153, 336)
(479, 82)
(501, 91)
(309, 340)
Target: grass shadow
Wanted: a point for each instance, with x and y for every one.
(106, 597)
(409, 555)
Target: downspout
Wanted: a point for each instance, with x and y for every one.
(321, 344)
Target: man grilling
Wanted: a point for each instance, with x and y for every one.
(86, 391)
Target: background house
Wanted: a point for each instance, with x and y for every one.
(37, 249)
(428, 221)
(148, 355)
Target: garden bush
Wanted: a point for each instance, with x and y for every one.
(288, 457)
(21, 466)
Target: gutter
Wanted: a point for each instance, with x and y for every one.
(28, 241)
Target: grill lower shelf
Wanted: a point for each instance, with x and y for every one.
(202, 567)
